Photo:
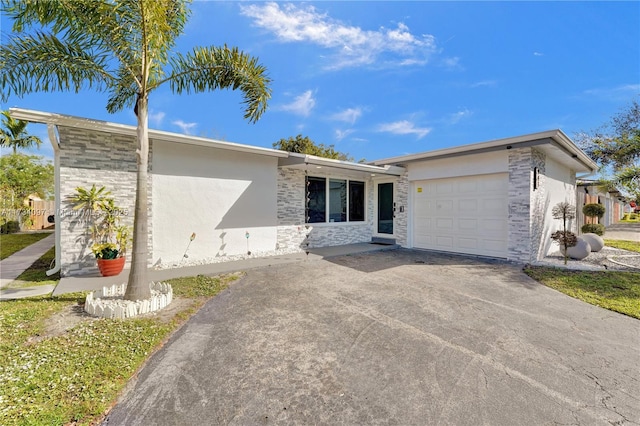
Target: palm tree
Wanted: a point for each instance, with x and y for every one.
(124, 48)
(14, 134)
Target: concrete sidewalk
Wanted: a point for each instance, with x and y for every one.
(17, 263)
(623, 231)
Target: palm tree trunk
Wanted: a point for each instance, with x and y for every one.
(138, 285)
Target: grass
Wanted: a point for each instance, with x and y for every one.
(614, 290)
(625, 245)
(36, 274)
(74, 376)
(12, 243)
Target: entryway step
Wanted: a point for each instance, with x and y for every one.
(383, 241)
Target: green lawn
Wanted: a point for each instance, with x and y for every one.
(12, 243)
(625, 245)
(55, 377)
(615, 290)
(35, 276)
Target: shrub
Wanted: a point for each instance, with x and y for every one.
(633, 216)
(10, 227)
(593, 228)
(593, 210)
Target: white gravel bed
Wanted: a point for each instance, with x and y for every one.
(225, 258)
(608, 258)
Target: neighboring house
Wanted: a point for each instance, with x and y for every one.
(590, 192)
(39, 211)
(489, 199)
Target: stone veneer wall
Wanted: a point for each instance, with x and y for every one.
(519, 199)
(401, 218)
(292, 231)
(295, 235)
(90, 157)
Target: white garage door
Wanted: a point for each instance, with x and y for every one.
(462, 214)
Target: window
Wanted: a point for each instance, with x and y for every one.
(334, 200)
(316, 199)
(337, 200)
(356, 201)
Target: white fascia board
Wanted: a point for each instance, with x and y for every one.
(296, 159)
(122, 129)
(532, 139)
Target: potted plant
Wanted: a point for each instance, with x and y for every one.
(109, 237)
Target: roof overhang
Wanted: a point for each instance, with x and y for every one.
(321, 164)
(554, 143)
(122, 129)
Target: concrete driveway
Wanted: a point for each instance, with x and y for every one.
(398, 337)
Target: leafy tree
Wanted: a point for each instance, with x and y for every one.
(304, 145)
(22, 175)
(617, 145)
(124, 48)
(14, 134)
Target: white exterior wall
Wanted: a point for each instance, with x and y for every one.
(558, 185)
(476, 164)
(218, 194)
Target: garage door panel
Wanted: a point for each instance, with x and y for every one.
(444, 223)
(444, 188)
(444, 242)
(466, 214)
(493, 225)
(467, 206)
(466, 187)
(468, 243)
(467, 224)
(492, 207)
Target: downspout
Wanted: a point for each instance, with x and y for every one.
(55, 143)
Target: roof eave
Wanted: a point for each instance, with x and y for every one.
(122, 129)
(296, 160)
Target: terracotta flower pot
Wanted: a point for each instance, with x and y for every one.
(111, 267)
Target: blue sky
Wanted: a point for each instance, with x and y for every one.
(380, 79)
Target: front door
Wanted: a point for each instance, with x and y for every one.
(385, 208)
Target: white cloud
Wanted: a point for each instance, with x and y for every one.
(404, 127)
(453, 62)
(352, 46)
(538, 54)
(614, 93)
(301, 105)
(185, 127)
(156, 117)
(341, 134)
(349, 115)
(457, 116)
(485, 83)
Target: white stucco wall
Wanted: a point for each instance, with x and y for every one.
(218, 194)
(469, 165)
(558, 186)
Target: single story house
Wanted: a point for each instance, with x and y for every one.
(591, 192)
(488, 199)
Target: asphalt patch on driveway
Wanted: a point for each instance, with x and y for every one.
(395, 337)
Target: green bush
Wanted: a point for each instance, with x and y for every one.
(10, 227)
(593, 210)
(593, 228)
(633, 216)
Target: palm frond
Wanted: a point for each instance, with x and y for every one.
(211, 68)
(53, 65)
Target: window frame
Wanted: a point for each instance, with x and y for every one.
(327, 196)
